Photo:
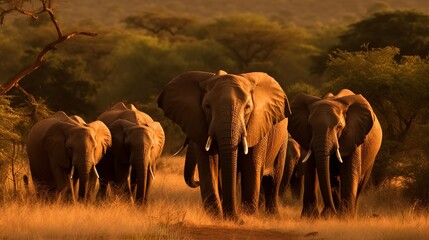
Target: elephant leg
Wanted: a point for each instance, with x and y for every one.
(250, 166)
(208, 175)
(296, 185)
(61, 180)
(148, 187)
(102, 191)
(121, 175)
(271, 184)
(309, 208)
(350, 172)
(287, 177)
(364, 181)
(94, 186)
(335, 189)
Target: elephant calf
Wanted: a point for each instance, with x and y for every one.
(137, 143)
(293, 174)
(62, 147)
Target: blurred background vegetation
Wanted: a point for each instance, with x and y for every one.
(376, 48)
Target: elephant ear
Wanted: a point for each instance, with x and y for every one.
(181, 101)
(159, 138)
(344, 92)
(298, 125)
(103, 138)
(119, 106)
(359, 121)
(55, 141)
(270, 106)
(78, 119)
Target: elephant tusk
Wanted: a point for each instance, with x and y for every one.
(245, 146)
(129, 172)
(209, 143)
(179, 151)
(151, 172)
(96, 173)
(337, 152)
(71, 172)
(307, 156)
(182, 147)
(339, 155)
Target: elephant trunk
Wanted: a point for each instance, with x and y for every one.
(322, 149)
(228, 167)
(190, 165)
(83, 170)
(142, 174)
(228, 139)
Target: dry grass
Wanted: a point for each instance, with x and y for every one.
(382, 215)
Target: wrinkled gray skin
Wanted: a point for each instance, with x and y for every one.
(293, 174)
(56, 144)
(137, 143)
(231, 110)
(335, 128)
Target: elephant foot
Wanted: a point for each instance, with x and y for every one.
(235, 219)
(328, 213)
(249, 209)
(312, 213)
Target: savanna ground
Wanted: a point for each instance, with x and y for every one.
(175, 212)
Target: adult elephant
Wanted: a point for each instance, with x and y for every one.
(219, 111)
(343, 136)
(62, 147)
(293, 174)
(137, 143)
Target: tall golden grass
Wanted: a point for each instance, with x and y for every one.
(173, 207)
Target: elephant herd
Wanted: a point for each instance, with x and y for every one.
(243, 136)
(123, 144)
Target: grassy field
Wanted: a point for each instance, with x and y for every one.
(175, 212)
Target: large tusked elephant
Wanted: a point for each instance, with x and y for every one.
(137, 143)
(342, 136)
(235, 123)
(60, 148)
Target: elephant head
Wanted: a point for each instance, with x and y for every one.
(138, 146)
(222, 112)
(330, 128)
(77, 145)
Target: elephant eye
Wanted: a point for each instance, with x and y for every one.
(207, 106)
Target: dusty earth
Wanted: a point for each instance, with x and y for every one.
(212, 233)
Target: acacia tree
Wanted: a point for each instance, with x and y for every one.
(27, 8)
(249, 39)
(159, 22)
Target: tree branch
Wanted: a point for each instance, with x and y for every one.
(39, 60)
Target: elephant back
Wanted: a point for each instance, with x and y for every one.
(121, 111)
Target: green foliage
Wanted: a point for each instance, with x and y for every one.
(303, 88)
(10, 139)
(406, 30)
(64, 83)
(249, 39)
(159, 22)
